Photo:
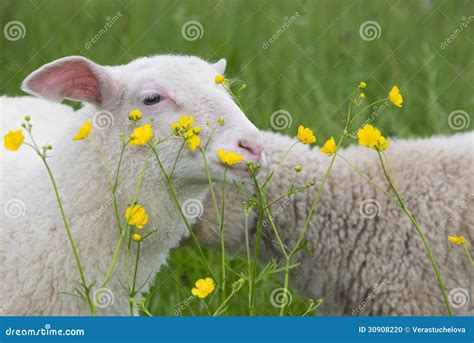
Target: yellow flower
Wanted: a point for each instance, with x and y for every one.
(305, 135)
(136, 216)
(229, 158)
(13, 140)
(135, 115)
(203, 288)
(362, 85)
(298, 168)
(219, 79)
(220, 121)
(193, 142)
(183, 124)
(141, 135)
(381, 143)
(83, 132)
(362, 96)
(457, 239)
(395, 97)
(137, 237)
(368, 136)
(329, 148)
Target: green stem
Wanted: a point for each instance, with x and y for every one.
(183, 216)
(249, 259)
(222, 236)
(420, 234)
(71, 240)
(176, 159)
(66, 225)
(366, 178)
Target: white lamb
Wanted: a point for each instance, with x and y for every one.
(368, 259)
(36, 262)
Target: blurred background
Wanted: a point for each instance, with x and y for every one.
(300, 60)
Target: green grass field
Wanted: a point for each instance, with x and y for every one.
(317, 57)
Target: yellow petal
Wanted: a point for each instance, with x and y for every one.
(13, 140)
(83, 132)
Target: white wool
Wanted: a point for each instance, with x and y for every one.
(369, 262)
(36, 260)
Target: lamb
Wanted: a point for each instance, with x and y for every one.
(368, 259)
(36, 261)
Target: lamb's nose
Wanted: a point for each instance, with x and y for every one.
(254, 149)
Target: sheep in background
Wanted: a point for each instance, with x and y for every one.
(36, 261)
(368, 259)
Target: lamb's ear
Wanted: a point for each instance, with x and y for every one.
(75, 78)
(220, 65)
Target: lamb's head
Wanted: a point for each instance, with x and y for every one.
(164, 88)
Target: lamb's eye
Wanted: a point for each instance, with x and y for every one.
(152, 99)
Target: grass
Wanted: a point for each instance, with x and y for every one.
(308, 71)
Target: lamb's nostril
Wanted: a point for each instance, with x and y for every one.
(255, 149)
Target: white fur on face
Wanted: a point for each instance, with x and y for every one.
(185, 86)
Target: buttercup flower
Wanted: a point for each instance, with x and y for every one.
(362, 96)
(368, 135)
(13, 140)
(136, 216)
(381, 143)
(183, 124)
(305, 135)
(219, 79)
(329, 148)
(141, 135)
(137, 237)
(83, 132)
(203, 288)
(135, 115)
(395, 97)
(193, 141)
(457, 239)
(362, 85)
(229, 158)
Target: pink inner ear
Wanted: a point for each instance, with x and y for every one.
(72, 79)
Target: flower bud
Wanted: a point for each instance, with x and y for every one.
(137, 237)
(298, 168)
